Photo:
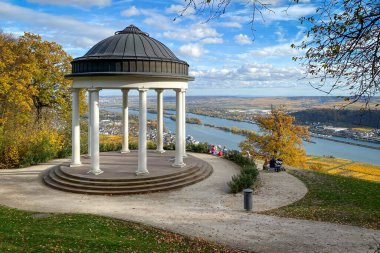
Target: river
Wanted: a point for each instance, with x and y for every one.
(215, 136)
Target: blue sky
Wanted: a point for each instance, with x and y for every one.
(226, 57)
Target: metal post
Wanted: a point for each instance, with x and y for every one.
(248, 199)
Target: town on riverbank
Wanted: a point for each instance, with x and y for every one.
(350, 123)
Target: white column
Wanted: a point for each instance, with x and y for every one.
(95, 133)
(160, 121)
(75, 151)
(142, 159)
(179, 130)
(125, 147)
(89, 125)
(184, 123)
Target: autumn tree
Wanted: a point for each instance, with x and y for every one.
(15, 95)
(278, 137)
(35, 100)
(49, 64)
(32, 77)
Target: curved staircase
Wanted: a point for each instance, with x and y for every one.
(61, 178)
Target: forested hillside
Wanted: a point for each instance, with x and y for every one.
(365, 118)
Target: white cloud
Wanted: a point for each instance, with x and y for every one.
(230, 24)
(157, 20)
(247, 76)
(277, 11)
(192, 49)
(243, 39)
(76, 3)
(275, 51)
(65, 30)
(132, 11)
(213, 40)
(192, 33)
(280, 34)
(178, 9)
(293, 12)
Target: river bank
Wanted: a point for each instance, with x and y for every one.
(347, 142)
(321, 147)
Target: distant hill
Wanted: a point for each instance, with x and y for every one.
(365, 118)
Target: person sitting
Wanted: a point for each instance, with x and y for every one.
(212, 150)
(225, 150)
(272, 163)
(215, 150)
(266, 164)
(278, 165)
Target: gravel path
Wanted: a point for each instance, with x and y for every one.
(204, 209)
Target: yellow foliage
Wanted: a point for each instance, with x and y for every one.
(364, 168)
(279, 137)
(363, 129)
(344, 167)
(110, 138)
(35, 104)
(11, 157)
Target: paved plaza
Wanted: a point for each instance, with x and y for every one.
(204, 209)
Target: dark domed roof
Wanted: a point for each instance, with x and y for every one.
(130, 51)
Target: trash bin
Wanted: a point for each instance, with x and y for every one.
(248, 199)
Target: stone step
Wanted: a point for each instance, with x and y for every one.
(84, 177)
(58, 172)
(55, 178)
(55, 185)
(111, 186)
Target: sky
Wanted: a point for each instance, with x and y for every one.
(227, 56)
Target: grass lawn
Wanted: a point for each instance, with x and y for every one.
(30, 232)
(335, 198)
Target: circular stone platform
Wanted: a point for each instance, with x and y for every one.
(119, 174)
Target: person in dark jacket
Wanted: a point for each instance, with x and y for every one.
(272, 163)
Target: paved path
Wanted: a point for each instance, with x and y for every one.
(203, 209)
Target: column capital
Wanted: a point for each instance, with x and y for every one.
(93, 89)
(180, 90)
(159, 90)
(124, 90)
(142, 89)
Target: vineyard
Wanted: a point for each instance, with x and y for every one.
(338, 166)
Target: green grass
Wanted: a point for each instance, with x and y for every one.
(336, 199)
(29, 232)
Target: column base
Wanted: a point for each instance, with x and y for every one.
(125, 151)
(96, 172)
(185, 156)
(160, 151)
(181, 165)
(75, 164)
(141, 173)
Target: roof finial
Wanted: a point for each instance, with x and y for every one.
(131, 29)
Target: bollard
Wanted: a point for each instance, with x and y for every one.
(248, 199)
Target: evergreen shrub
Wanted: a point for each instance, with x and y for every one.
(198, 148)
(248, 172)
